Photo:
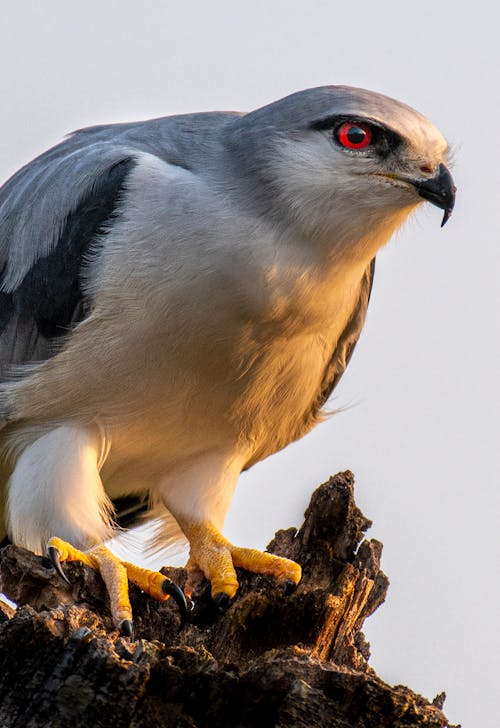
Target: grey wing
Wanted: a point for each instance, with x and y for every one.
(347, 341)
(51, 212)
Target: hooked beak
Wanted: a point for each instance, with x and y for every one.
(439, 190)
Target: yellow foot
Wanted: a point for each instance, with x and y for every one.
(216, 558)
(116, 574)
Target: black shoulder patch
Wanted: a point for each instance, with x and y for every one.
(6, 309)
(51, 292)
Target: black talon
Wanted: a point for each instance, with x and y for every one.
(55, 560)
(221, 601)
(126, 628)
(289, 587)
(174, 591)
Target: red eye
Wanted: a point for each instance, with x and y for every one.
(354, 135)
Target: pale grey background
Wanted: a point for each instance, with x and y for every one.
(422, 433)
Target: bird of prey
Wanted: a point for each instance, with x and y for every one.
(178, 299)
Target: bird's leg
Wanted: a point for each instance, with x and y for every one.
(116, 574)
(57, 478)
(216, 558)
(198, 496)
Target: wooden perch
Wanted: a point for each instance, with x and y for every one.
(270, 660)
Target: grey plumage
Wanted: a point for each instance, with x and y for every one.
(154, 268)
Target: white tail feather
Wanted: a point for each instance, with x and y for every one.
(167, 545)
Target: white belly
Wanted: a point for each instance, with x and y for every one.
(215, 365)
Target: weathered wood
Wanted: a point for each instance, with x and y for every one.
(271, 659)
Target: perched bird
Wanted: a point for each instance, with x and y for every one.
(178, 299)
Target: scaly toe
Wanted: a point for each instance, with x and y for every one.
(114, 575)
(261, 562)
(217, 558)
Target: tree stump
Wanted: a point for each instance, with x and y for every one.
(272, 659)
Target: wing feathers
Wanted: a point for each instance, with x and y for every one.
(44, 300)
(347, 341)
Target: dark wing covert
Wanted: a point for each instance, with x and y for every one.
(347, 341)
(41, 287)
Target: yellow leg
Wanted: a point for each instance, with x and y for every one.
(217, 558)
(116, 574)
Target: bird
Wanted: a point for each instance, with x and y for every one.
(179, 297)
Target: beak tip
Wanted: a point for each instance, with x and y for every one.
(439, 190)
(446, 216)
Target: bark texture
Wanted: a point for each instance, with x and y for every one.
(271, 659)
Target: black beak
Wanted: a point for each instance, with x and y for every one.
(439, 190)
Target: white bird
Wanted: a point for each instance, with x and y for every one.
(178, 299)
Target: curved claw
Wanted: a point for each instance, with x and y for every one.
(126, 628)
(221, 601)
(55, 559)
(289, 587)
(169, 588)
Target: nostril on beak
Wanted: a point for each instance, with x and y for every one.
(426, 169)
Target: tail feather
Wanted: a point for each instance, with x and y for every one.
(166, 545)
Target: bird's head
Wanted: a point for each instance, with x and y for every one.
(333, 158)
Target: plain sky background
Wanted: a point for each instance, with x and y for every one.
(422, 433)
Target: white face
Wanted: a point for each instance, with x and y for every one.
(353, 168)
